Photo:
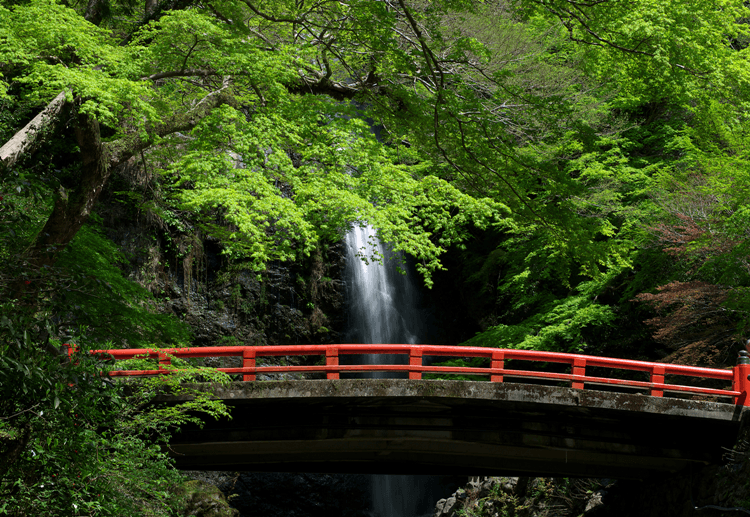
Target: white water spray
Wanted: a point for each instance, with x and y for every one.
(382, 301)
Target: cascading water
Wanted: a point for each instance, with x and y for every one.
(383, 307)
(382, 302)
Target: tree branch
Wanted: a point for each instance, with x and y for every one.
(118, 151)
(268, 17)
(25, 139)
(185, 72)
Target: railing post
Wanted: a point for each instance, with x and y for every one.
(163, 360)
(741, 382)
(497, 363)
(415, 359)
(71, 349)
(248, 361)
(332, 359)
(657, 376)
(579, 368)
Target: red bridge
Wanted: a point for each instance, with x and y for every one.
(540, 413)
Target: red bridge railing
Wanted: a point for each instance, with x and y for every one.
(497, 371)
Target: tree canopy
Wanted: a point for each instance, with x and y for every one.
(280, 90)
(583, 135)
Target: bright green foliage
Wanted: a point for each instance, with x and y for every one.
(529, 119)
(245, 172)
(673, 155)
(542, 304)
(558, 325)
(600, 148)
(505, 115)
(654, 50)
(58, 50)
(160, 419)
(343, 169)
(196, 40)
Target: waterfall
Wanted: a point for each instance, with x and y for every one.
(383, 307)
(382, 303)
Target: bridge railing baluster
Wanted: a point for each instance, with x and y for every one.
(497, 363)
(248, 361)
(579, 368)
(164, 360)
(657, 377)
(415, 359)
(741, 380)
(332, 359)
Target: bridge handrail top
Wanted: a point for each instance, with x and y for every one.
(435, 350)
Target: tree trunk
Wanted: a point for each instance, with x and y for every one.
(96, 11)
(25, 139)
(72, 209)
(151, 7)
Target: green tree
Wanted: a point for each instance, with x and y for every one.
(178, 70)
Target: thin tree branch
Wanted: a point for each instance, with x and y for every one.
(186, 72)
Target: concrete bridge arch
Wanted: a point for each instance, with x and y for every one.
(457, 427)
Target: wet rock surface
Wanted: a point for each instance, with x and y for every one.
(706, 492)
(288, 303)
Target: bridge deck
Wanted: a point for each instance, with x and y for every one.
(457, 427)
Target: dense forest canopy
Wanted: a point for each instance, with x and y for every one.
(585, 163)
(584, 134)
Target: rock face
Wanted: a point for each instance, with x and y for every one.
(706, 492)
(485, 489)
(288, 303)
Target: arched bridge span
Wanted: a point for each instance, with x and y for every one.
(591, 416)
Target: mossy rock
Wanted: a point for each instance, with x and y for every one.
(200, 499)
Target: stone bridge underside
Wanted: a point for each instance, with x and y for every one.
(457, 427)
